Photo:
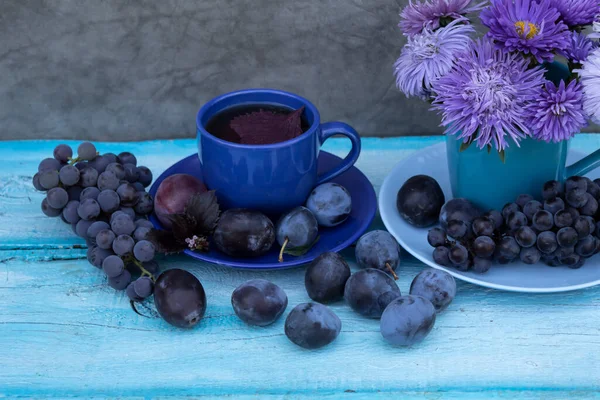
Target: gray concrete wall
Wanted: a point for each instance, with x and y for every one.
(135, 69)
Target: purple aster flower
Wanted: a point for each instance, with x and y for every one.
(485, 96)
(429, 14)
(577, 12)
(428, 56)
(557, 114)
(526, 26)
(589, 76)
(581, 46)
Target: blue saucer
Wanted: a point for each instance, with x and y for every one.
(364, 207)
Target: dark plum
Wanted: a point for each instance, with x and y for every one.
(312, 325)
(407, 320)
(420, 200)
(244, 233)
(326, 276)
(459, 209)
(259, 302)
(437, 286)
(296, 230)
(179, 298)
(330, 203)
(173, 194)
(369, 291)
(378, 249)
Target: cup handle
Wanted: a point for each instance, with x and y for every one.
(329, 129)
(585, 165)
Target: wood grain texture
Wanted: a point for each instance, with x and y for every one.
(66, 333)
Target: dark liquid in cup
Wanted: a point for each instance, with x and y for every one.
(219, 125)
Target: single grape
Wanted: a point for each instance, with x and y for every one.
(483, 226)
(563, 218)
(143, 287)
(115, 214)
(523, 199)
(509, 208)
(593, 189)
(296, 230)
(128, 211)
(139, 187)
(574, 212)
(144, 250)
(591, 223)
(515, 220)
(542, 221)
(88, 177)
(120, 282)
(179, 298)
(127, 194)
(50, 211)
(563, 252)
(369, 291)
(407, 320)
(464, 267)
(127, 158)
(525, 236)
(331, 204)
(577, 198)
(546, 242)
(312, 325)
(89, 193)
(586, 246)
(49, 164)
(441, 256)
(570, 260)
(496, 217)
(325, 277)
(88, 209)
(459, 209)
(113, 266)
(579, 263)
(457, 229)
(48, 179)
(436, 237)
(105, 238)
(131, 173)
(481, 265)
(145, 205)
(108, 181)
(554, 205)
(63, 153)
(531, 208)
(567, 237)
(259, 302)
(550, 260)
(109, 201)
(111, 157)
(591, 206)
(145, 176)
(576, 183)
(483, 246)
(69, 175)
(96, 227)
(86, 151)
(530, 255)
(70, 212)
(57, 198)
(144, 222)
(141, 233)
(151, 266)
(99, 255)
(507, 250)
(122, 225)
(82, 227)
(439, 287)
(458, 254)
(123, 245)
(117, 169)
(582, 226)
(36, 182)
(130, 292)
(551, 189)
(378, 249)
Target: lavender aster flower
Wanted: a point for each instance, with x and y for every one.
(557, 114)
(428, 56)
(429, 14)
(485, 96)
(527, 26)
(576, 12)
(596, 34)
(589, 76)
(581, 46)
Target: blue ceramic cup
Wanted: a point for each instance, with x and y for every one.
(270, 178)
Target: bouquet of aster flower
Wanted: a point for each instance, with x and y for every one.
(496, 89)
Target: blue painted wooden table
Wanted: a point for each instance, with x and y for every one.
(64, 332)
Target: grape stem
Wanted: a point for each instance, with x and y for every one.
(389, 267)
(144, 270)
(285, 243)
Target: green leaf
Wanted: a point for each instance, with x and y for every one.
(464, 146)
(300, 251)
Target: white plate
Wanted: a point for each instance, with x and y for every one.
(517, 277)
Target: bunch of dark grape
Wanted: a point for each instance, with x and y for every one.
(104, 199)
(560, 230)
